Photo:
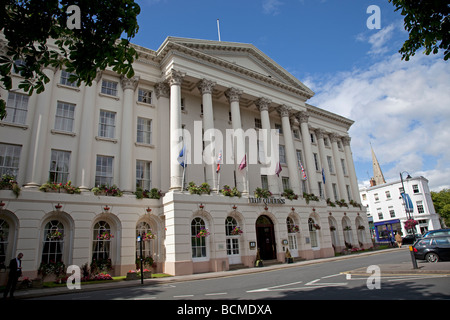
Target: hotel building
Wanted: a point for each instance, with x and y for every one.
(129, 133)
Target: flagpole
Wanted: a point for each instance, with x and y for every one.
(218, 181)
(182, 179)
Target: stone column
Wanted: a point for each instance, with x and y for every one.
(323, 159)
(351, 169)
(337, 163)
(308, 154)
(162, 92)
(290, 151)
(210, 153)
(233, 95)
(263, 105)
(85, 156)
(126, 176)
(37, 171)
(176, 171)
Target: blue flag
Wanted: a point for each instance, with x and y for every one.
(408, 203)
(182, 157)
(323, 176)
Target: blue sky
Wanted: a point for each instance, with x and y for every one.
(402, 108)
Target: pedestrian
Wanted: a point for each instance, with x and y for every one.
(15, 271)
(398, 239)
(391, 240)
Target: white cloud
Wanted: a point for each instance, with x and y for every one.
(401, 107)
(271, 6)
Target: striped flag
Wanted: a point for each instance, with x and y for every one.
(219, 160)
(303, 171)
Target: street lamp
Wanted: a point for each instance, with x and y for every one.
(139, 239)
(409, 216)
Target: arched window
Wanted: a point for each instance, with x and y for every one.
(4, 235)
(312, 226)
(198, 242)
(292, 234)
(232, 232)
(53, 246)
(102, 241)
(144, 230)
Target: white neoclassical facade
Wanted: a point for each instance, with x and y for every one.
(206, 98)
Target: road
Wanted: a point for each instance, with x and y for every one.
(323, 280)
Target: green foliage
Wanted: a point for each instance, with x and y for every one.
(152, 194)
(203, 188)
(428, 25)
(28, 25)
(230, 192)
(441, 201)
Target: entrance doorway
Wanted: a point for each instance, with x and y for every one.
(265, 237)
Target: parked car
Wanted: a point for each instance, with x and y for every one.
(411, 238)
(432, 249)
(439, 232)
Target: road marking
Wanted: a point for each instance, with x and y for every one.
(274, 288)
(184, 296)
(216, 294)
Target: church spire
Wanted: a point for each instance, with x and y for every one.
(378, 177)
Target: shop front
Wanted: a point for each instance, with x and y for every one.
(385, 230)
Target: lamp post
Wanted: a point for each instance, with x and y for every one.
(139, 239)
(409, 216)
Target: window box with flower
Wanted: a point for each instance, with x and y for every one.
(55, 235)
(58, 187)
(8, 182)
(154, 193)
(105, 236)
(289, 194)
(204, 188)
(236, 231)
(230, 192)
(310, 197)
(105, 190)
(262, 193)
(203, 233)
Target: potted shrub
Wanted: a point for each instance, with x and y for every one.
(289, 194)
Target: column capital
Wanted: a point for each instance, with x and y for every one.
(175, 77)
(334, 137)
(206, 86)
(284, 110)
(303, 116)
(346, 140)
(129, 83)
(162, 89)
(320, 133)
(233, 95)
(263, 104)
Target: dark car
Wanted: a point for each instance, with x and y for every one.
(432, 249)
(411, 238)
(439, 232)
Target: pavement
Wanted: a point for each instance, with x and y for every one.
(424, 268)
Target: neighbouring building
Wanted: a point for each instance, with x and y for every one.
(99, 165)
(386, 206)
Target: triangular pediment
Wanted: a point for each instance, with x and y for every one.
(245, 56)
